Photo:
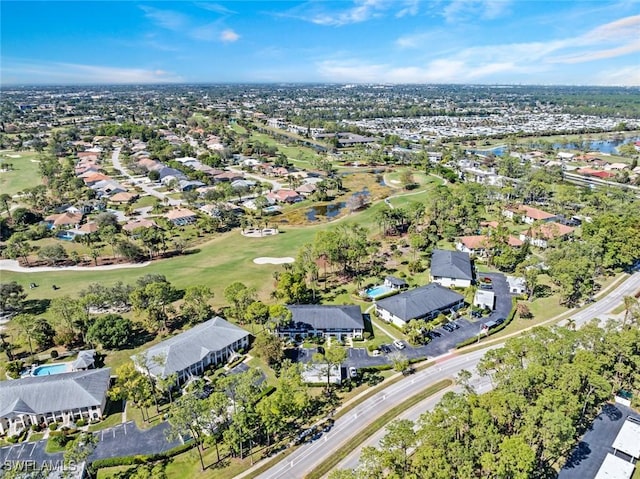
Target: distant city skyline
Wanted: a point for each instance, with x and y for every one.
(579, 42)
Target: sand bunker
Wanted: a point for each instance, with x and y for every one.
(267, 260)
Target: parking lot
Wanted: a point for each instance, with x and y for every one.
(122, 440)
(442, 341)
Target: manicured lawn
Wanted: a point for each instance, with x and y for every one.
(36, 436)
(113, 416)
(24, 174)
(110, 472)
(144, 201)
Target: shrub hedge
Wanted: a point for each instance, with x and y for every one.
(141, 459)
(493, 331)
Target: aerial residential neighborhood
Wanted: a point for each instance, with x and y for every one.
(238, 241)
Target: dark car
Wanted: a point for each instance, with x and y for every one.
(385, 348)
(486, 286)
(476, 314)
(447, 327)
(499, 321)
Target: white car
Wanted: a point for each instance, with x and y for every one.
(353, 372)
(398, 344)
(375, 352)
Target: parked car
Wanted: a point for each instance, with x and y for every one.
(476, 314)
(375, 352)
(499, 321)
(398, 344)
(455, 325)
(353, 372)
(447, 327)
(385, 348)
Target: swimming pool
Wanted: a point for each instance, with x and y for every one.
(49, 369)
(379, 290)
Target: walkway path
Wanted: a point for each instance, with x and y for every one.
(115, 160)
(376, 325)
(14, 266)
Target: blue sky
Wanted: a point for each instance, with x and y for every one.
(578, 42)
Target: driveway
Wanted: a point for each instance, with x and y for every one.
(122, 440)
(442, 340)
(588, 455)
(127, 440)
(503, 296)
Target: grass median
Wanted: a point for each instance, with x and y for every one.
(356, 440)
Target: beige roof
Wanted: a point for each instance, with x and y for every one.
(141, 223)
(122, 197)
(65, 218)
(550, 231)
(179, 213)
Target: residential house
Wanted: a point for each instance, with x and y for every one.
(108, 187)
(42, 400)
(527, 214)
(451, 268)
(181, 216)
(87, 228)
(229, 176)
(63, 220)
(190, 353)
(93, 178)
(317, 374)
(541, 235)
(473, 245)
(283, 196)
(479, 245)
(484, 299)
(309, 320)
(425, 302)
(306, 189)
(517, 285)
(139, 223)
(123, 197)
(395, 283)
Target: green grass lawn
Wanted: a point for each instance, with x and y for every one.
(113, 413)
(25, 173)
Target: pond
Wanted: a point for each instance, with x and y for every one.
(330, 210)
(603, 146)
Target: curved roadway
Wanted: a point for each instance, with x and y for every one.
(309, 455)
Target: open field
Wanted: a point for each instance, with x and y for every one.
(24, 174)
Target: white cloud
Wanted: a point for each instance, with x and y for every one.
(59, 72)
(359, 11)
(195, 30)
(215, 7)
(229, 36)
(501, 62)
(168, 19)
(465, 10)
(629, 76)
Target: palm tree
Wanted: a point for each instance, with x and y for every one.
(5, 201)
(571, 324)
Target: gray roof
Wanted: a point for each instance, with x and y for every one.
(85, 359)
(190, 347)
(420, 302)
(326, 317)
(396, 281)
(451, 264)
(57, 392)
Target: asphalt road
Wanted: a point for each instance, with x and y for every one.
(115, 160)
(481, 385)
(306, 457)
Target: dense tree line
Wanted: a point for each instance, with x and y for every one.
(548, 387)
